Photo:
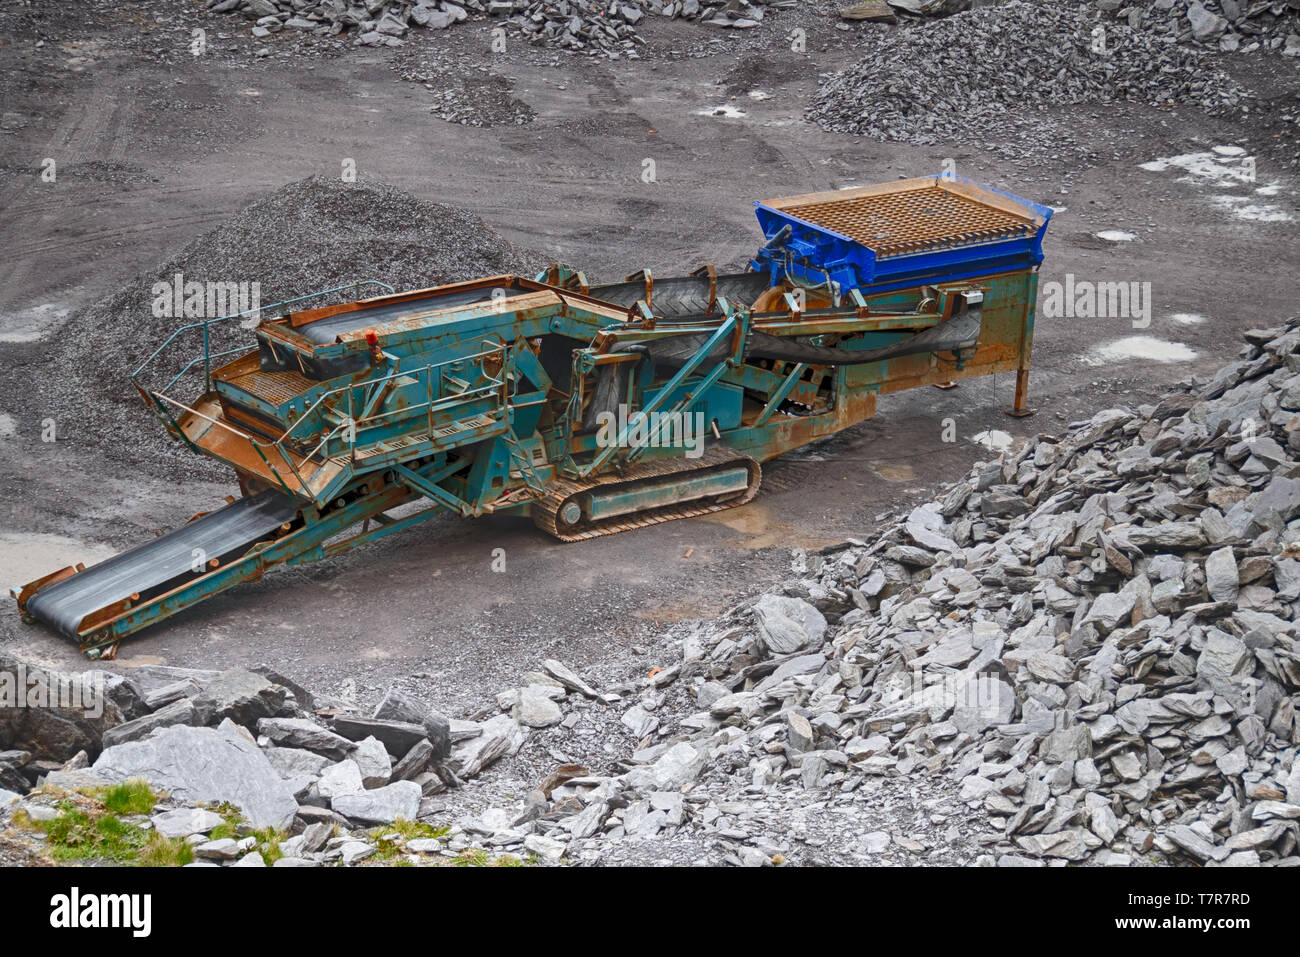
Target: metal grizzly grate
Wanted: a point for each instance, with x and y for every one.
(913, 220)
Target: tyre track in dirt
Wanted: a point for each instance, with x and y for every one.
(82, 134)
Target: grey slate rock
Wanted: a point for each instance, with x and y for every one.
(400, 800)
(301, 733)
(242, 696)
(397, 736)
(203, 765)
(181, 712)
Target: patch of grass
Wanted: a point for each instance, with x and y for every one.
(268, 844)
(23, 821)
(474, 857)
(89, 827)
(130, 797)
(230, 826)
(388, 850)
(413, 830)
(165, 852)
(77, 835)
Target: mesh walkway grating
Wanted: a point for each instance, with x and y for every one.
(273, 387)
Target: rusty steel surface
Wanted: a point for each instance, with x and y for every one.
(926, 217)
(274, 387)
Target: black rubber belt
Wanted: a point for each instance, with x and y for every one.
(168, 558)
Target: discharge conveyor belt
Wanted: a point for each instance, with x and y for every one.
(167, 560)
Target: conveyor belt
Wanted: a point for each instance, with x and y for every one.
(678, 297)
(685, 297)
(325, 330)
(162, 563)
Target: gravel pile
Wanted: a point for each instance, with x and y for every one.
(1229, 25)
(307, 236)
(992, 71)
(462, 93)
(609, 28)
(594, 27)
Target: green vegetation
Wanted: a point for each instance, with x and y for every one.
(268, 844)
(392, 850)
(412, 830)
(96, 825)
(93, 832)
(130, 797)
(165, 852)
(230, 827)
(474, 857)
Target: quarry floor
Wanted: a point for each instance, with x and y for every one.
(174, 154)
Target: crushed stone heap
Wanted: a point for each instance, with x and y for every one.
(594, 27)
(1093, 638)
(992, 71)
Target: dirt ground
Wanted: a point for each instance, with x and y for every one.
(151, 154)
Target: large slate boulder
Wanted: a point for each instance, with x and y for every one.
(381, 805)
(397, 736)
(204, 765)
(54, 715)
(301, 733)
(788, 624)
(242, 696)
(178, 712)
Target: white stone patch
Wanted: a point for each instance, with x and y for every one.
(995, 440)
(759, 95)
(1139, 347)
(8, 427)
(1116, 235)
(1227, 168)
(726, 110)
(1220, 166)
(1243, 208)
(1187, 318)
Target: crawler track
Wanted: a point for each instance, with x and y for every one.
(546, 511)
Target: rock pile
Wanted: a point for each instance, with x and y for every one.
(594, 27)
(1092, 642)
(248, 740)
(609, 28)
(992, 71)
(1229, 25)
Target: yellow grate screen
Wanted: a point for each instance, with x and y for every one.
(908, 221)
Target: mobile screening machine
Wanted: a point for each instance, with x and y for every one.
(593, 409)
